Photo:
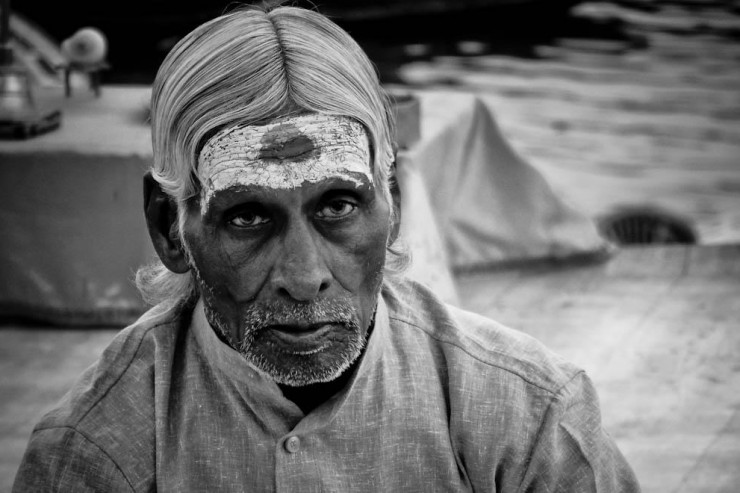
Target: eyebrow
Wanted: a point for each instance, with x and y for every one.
(260, 192)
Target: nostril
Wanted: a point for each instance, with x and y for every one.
(301, 286)
(283, 292)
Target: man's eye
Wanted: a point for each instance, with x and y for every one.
(336, 209)
(247, 219)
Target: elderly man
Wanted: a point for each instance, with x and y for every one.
(285, 351)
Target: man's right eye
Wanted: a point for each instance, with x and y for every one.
(247, 219)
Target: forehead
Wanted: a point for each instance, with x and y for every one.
(285, 154)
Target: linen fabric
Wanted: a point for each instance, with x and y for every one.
(442, 400)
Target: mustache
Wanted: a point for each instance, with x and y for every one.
(337, 310)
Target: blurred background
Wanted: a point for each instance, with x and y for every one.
(538, 131)
(620, 104)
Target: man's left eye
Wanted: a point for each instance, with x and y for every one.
(336, 209)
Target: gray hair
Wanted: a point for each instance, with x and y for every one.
(251, 66)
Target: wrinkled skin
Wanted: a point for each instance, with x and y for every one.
(287, 243)
(322, 242)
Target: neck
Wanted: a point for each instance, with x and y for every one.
(309, 397)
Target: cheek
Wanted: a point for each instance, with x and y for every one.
(230, 271)
(373, 258)
(359, 265)
(369, 261)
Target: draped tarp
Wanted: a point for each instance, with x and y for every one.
(491, 206)
(73, 234)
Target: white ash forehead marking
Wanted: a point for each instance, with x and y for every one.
(285, 154)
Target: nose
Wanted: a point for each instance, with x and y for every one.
(301, 272)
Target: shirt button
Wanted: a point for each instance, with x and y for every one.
(293, 444)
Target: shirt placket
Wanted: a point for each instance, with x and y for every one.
(296, 467)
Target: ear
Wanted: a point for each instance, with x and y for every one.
(161, 220)
(396, 197)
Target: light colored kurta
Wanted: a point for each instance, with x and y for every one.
(443, 400)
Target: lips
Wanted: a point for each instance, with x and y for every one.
(302, 339)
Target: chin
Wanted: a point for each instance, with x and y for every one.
(298, 367)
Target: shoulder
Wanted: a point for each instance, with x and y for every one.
(121, 371)
(63, 459)
(469, 340)
(109, 414)
(519, 415)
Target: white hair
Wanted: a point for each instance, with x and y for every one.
(249, 67)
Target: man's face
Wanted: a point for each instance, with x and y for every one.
(288, 244)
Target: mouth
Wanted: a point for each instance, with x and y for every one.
(303, 339)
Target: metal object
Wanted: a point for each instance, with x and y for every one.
(647, 225)
(20, 116)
